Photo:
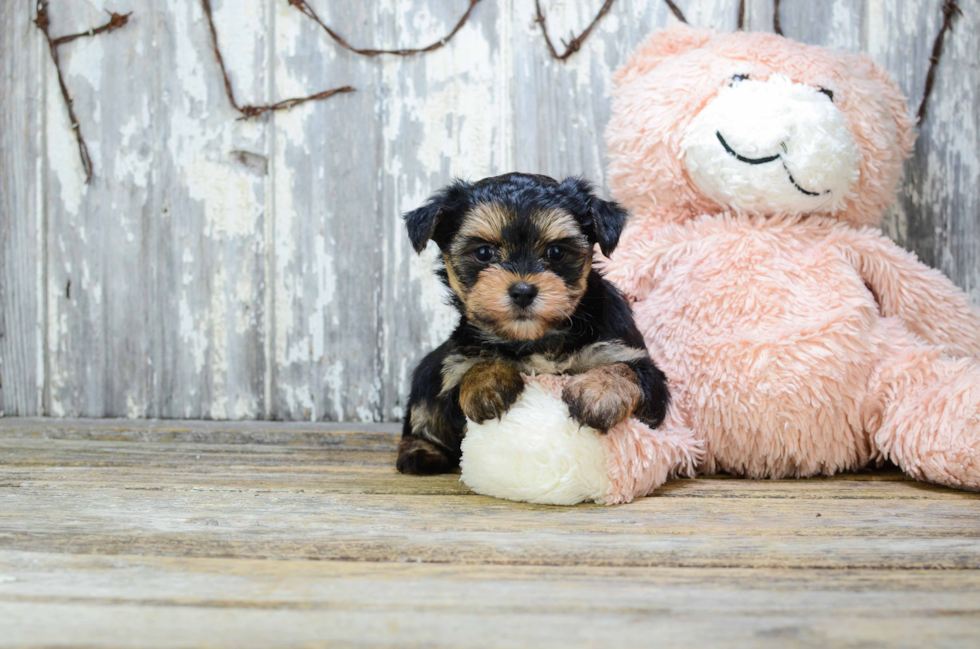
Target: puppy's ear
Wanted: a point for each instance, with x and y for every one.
(422, 222)
(602, 220)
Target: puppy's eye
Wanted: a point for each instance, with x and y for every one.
(740, 77)
(556, 253)
(484, 254)
(829, 93)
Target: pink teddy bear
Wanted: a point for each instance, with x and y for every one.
(798, 340)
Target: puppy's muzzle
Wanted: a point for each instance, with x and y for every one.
(522, 294)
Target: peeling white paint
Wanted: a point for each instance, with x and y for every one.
(84, 61)
(133, 160)
(62, 151)
(217, 338)
(326, 289)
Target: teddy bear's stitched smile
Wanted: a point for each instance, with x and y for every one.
(758, 161)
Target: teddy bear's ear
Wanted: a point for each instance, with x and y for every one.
(422, 222)
(602, 220)
(658, 46)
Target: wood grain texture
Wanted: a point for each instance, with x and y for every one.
(21, 215)
(159, 534)
(937, 215)
(145, 601)
(232, 270)
(154, 271)
(185, 489)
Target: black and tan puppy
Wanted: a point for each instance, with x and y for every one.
(517, 255)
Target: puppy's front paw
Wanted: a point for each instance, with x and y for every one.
(603, 397)
(421, 457)
(489, 389)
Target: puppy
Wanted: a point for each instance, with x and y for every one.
(517, 256)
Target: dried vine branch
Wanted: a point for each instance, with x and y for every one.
(950, 10)
(115, 22)
(247, 110)
(572, 46)
(776, 27)
(674, 9)
(575, 44)
(307, 10)
(43, 22)
(741, 14)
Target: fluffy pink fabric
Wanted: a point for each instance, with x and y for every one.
(639, 459)
(795, 346)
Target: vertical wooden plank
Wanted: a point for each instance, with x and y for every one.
(716, 14)
(214, 210)
(446, 114)
(91, 270)
(155, 269)
(326, 168)
(354, 307)
(759, 14)
(21, 217)
(939, 208)
(837, 24)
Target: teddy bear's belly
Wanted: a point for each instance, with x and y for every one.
(769, 351)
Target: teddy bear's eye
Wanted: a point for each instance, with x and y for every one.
(829, 93)
(740, 77)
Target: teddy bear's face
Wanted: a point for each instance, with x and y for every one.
(704, 122)
(771, 146)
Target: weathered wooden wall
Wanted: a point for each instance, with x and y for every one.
(225, 269)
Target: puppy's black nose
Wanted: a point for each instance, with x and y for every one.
(523, 294)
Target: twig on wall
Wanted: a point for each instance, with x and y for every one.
(674, 9)
(776, 27)
(950, 10)
(741, 14)
(572, 46)
(115, 22)
(247, 110)
(43, 22)
(307, 10)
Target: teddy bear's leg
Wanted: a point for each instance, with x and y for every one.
(923, 411)
(640, 460)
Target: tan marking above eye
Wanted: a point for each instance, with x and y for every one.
(485, 222)
(556, 225)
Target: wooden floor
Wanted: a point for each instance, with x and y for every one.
(177, 534)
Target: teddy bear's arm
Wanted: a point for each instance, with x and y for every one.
(929, 304)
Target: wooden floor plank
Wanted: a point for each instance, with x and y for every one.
(354, 479)
(236, 534)
(392, 527)
(137, 601)
(352, 465)
(51, 624)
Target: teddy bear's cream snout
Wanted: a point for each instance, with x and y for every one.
(772, 146)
